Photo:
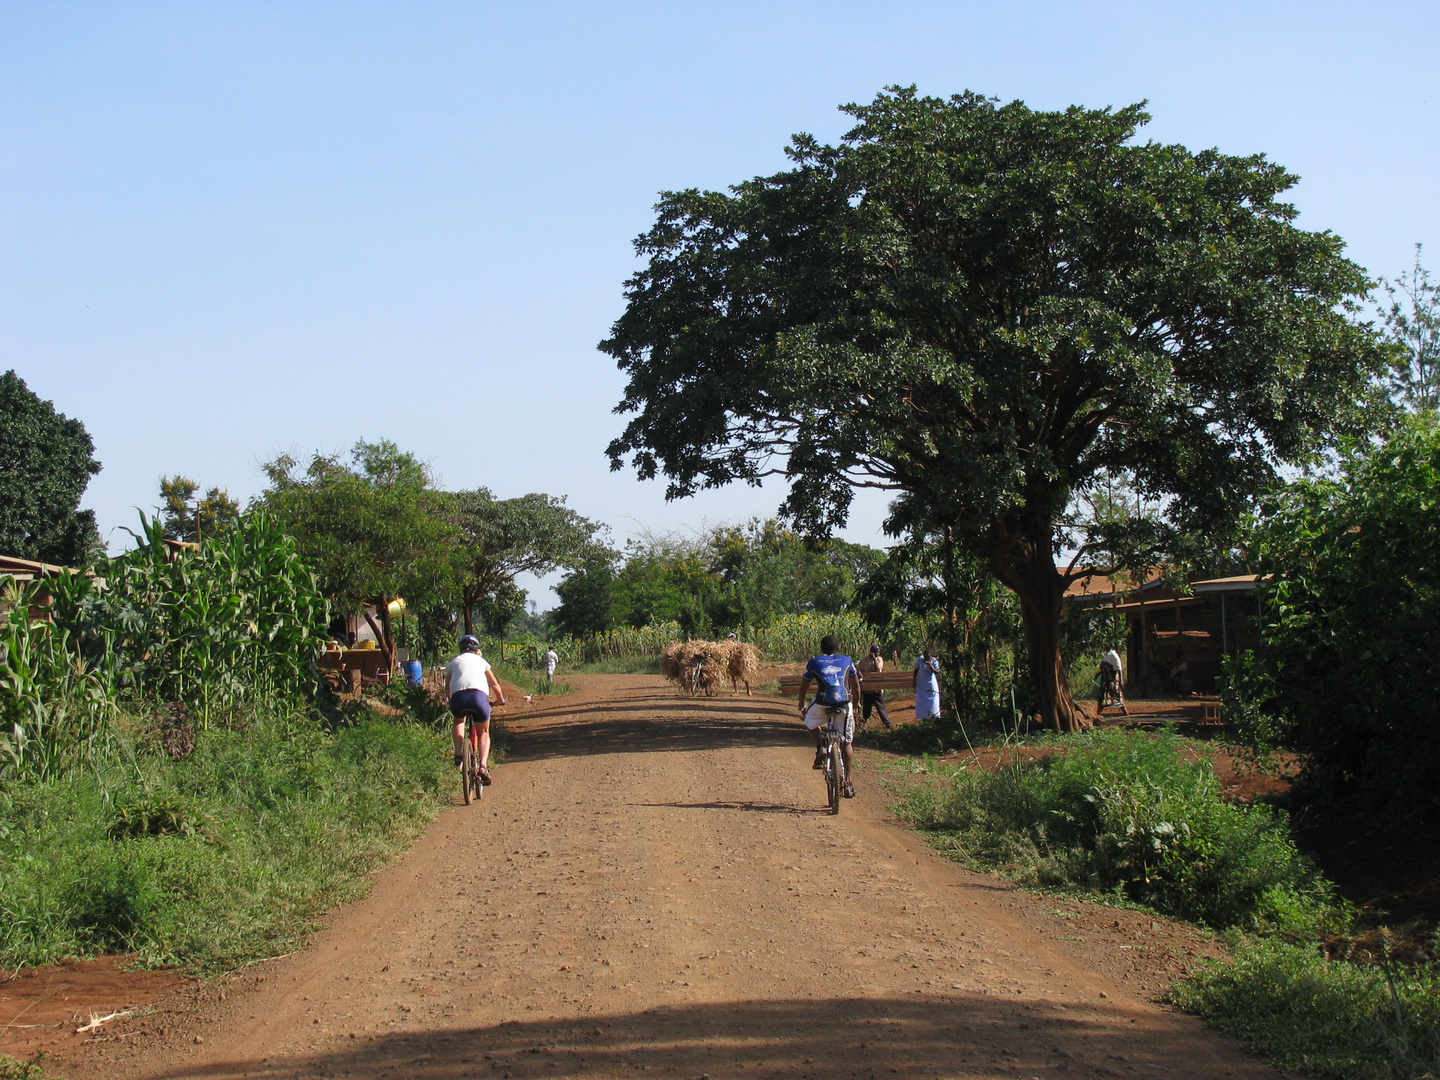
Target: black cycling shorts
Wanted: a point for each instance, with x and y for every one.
(474, 702)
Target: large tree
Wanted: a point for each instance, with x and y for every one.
(984, 308)
(496, 540)
(46, 461)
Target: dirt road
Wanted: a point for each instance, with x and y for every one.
(651, 890)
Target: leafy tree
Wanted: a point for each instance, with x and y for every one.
(667, 581)
(373, 529)
(1412, 323)
(1351, 655)
(587, 594)
(46, 461)
(499, 539)
(984, 308)
(211, 514)
(767, 570)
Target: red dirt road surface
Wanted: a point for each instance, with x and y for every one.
(652, 889)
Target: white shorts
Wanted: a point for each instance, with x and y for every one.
(819, 715)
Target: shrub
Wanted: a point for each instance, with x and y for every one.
(1124, 813)
(1352, 629)
(1322, 1017)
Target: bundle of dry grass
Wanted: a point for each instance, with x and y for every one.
(697, 667)
(742, 664)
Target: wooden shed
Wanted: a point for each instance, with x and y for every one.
(1177, 639)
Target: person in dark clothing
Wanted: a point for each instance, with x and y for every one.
(873, 700)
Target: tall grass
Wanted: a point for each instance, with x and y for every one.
(1135, 816)
(220, 857)
(56, 706)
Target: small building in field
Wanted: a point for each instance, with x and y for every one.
(15, 571)
(1176, 639)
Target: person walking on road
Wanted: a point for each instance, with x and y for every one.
(552, 661)
(926, 680)
(873, 700)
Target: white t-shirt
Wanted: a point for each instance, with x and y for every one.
(1110, 660)
(467, 672)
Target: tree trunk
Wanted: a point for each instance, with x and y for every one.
(1028, 568)
(467, 606)
(382, 608)
(951, 668)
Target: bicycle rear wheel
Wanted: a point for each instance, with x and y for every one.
(467, 759)
(837, 771)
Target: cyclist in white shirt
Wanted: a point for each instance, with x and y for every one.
(470, 681)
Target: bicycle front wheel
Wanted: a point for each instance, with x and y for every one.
(837, 771)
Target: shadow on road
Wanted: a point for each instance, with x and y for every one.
(973, 1034)
(751, 807)
(644, 722)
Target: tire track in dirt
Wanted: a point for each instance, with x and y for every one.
(651, 889)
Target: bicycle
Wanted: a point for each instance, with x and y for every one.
(695, 683)
(471, 786)
(832, 760)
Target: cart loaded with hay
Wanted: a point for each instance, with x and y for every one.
(703, 667)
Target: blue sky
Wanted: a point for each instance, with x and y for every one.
(230, 230)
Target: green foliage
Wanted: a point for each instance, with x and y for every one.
(729, 578)
(216, 511)
(496, 540)
(237, 619)
(1412, 324)
(372, 529)
(56, 703)
(1352, 629)
(45, 465)
(222, 857)
(32, 1069)
(1131, 814)
(986, 308)
(1322, 1017)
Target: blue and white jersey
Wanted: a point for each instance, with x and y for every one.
(831, 671)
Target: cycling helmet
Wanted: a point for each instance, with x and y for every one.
(469, 643)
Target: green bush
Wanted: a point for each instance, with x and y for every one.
(1322, 1017)
(218, 858)
(1129, 814)
(1352, 630)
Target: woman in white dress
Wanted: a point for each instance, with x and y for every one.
(926, 680)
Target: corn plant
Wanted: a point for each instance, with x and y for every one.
(237, 619)
(55, 704)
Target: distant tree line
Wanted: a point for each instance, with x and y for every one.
(729, 578)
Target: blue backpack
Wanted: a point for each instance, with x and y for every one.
(832, 689)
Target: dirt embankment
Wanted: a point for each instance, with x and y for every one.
(651, 888)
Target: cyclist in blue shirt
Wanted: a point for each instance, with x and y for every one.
(837, 686)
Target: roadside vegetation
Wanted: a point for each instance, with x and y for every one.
(175, 782)
(1140, 819)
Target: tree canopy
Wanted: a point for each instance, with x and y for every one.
(211, 514)
(496, 540)
(46, 461)
(370, 528)
(984, 308)
(729, 578)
